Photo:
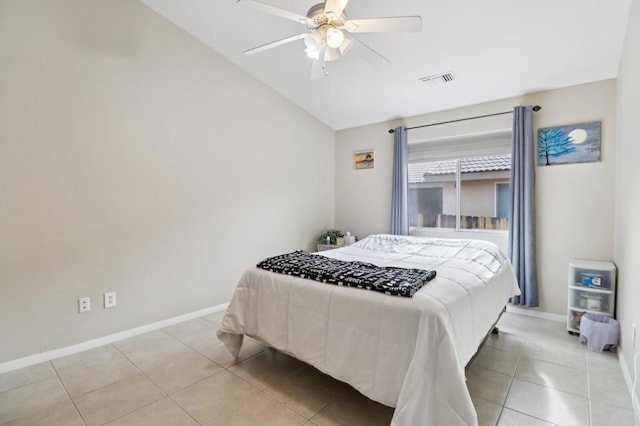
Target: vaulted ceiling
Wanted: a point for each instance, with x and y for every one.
(494, 49)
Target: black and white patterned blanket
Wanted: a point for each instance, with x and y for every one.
(389, 280)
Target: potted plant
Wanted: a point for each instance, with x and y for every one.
(333, 235)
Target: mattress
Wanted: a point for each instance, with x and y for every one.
(407, 353)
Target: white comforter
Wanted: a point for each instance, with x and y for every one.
(407, 353)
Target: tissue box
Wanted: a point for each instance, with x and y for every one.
(591, 280)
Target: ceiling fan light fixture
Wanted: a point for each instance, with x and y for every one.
(312, 53)
(335, 37)
(331, 54)
(313, 42)
(345, 46)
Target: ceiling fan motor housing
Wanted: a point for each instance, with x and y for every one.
(317, 17)
(325, 30)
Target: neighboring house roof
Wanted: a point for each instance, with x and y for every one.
(489, 163)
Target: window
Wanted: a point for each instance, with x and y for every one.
(503, 198)
(460, 183)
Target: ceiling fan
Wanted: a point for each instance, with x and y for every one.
(326, 39)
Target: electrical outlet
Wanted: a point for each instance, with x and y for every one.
(110, 299)
(84, 304)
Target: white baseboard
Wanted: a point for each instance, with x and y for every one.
(90, 344)
(628, 378)
(536, 314)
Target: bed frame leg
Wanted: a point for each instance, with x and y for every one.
(495, 330)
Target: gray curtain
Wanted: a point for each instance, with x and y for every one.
(522, 223)
(400, 189)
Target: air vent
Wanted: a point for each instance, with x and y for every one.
(438, 79)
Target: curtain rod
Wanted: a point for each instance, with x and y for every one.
(535, 108)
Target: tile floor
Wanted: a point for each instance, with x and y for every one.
(532, 373)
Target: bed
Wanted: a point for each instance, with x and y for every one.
(407, 353)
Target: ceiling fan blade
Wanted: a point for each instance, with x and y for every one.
(274, 44)
(396, 24)
(318, 69)
(272, 10)
(335, 6)
(368, 54)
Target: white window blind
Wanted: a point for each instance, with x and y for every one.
(478, 145)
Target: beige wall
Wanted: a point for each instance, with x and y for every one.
(134, 159)
(627, 225)
(449, 198)
(477, 197)
(574, 202)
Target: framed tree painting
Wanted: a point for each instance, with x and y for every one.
(575, 143)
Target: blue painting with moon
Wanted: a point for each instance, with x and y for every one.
(576, 143)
